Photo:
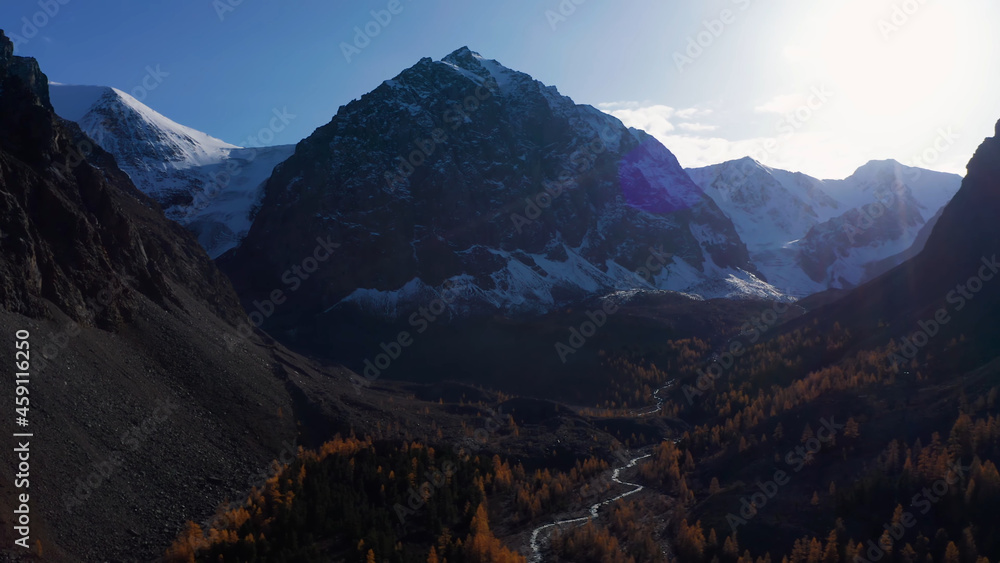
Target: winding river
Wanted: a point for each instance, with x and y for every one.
(536, 540)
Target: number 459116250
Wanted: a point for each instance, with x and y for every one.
(22, 359)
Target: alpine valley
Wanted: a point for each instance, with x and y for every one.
(470, 320)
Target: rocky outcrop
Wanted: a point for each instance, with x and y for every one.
(135, 397)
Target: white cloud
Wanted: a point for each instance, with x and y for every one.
(813, 153)
(608, 106)
(693, 113)
(799, 153)
(822, 151)
(782, 104)
(655, 120)
(697, 127)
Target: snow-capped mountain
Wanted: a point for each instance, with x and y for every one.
(486, 178)
(769, 207)
(807, 235)
(205, 184)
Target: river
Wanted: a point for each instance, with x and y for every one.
(536, 541)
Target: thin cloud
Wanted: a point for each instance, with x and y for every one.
(698, 127)
(781, 104)
(655, 120)
(823, 153)
(693, 113)
(611, 106)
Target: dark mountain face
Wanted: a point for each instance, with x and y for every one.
(461, 171)
(968, 225)
(135, 400)
(956, 274)
(913, 356)
(74, 227)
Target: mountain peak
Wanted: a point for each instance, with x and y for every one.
(462, 53)
(101, 110)
(746, 163)
(881, 163)
(877, 168)
(747, 160)
(6, 48)
(517, 140)
(26, 69)
(468, 61)
(72, 102)
(465, 58)
(187, 171)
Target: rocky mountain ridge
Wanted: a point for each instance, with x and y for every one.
(807, 235)
(466, 172)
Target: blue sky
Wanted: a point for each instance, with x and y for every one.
(820, 87)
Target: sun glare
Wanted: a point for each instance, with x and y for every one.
(898, 70)
(897, 67)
